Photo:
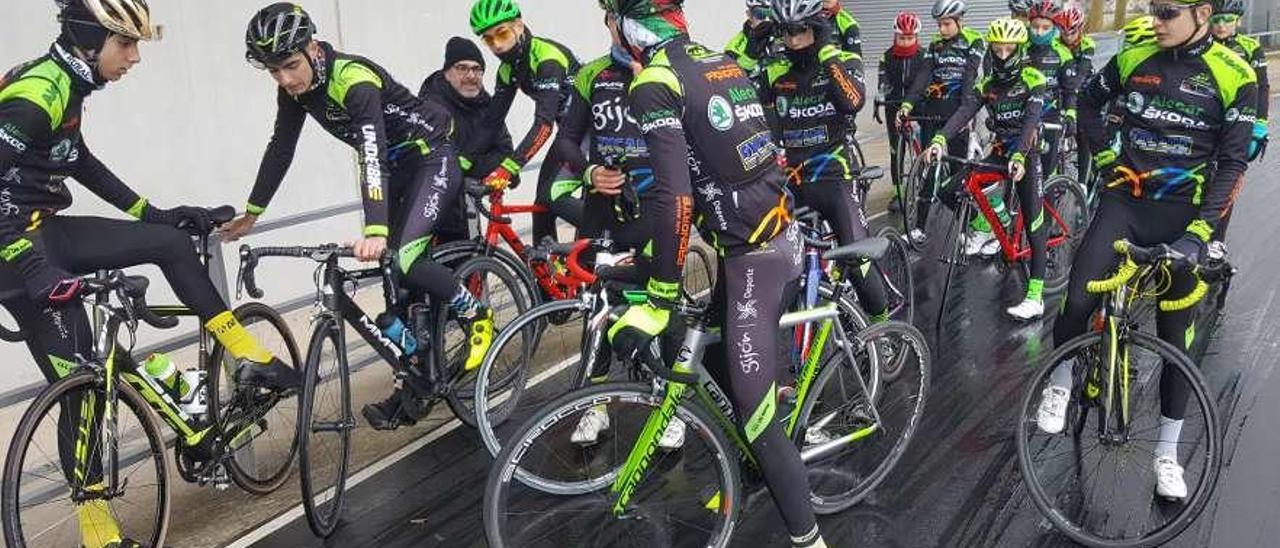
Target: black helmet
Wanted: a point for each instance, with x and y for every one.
(1229, 6)
(277, 32)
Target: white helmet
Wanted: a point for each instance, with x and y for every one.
(949, 8)
(129, 18)
(796, 11)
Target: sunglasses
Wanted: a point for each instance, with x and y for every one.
(500, 34)
(1223, 18)
(1167, 12)
(761, 14)
(794, 29)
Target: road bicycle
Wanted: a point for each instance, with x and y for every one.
(911, 168)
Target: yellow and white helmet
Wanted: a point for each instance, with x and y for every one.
(128, 18)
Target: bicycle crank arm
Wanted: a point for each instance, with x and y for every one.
(824, 450)
(333, 426)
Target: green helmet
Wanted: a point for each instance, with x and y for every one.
(1006, 30)
(486, 14)
(637, 9)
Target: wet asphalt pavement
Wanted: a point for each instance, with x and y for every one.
(958, 484)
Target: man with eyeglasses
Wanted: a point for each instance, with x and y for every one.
(459, 88)
(1189, 109)
(541, 69)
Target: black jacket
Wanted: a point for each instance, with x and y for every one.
(480, 149)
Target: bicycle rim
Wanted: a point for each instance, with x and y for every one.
(1065, 210)
(895, 266)
(262, 457)
(324, 428)
(37, 503)
(849, 442)
(686, 497)
(1101, 494)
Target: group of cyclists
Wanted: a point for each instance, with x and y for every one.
(660, 134)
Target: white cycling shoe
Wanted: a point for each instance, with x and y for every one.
(1027, 310)
(1051, 417)
(976, 242)
(1169, 482)
(918, 237)
(594, 421)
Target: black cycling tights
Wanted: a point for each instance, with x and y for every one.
(1146, 223)
(544, 224)
(55, 334)
(750, 295)
(426, 192)
(837, 202)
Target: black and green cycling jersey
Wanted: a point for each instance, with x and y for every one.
(1057, 64)
(543, 70)
(813, 102)
(41, 104)
(1188, 116)
(1082, 56)
(1015, 108)
(845, 32)
(1250, 49)
(950, 68)
(601, 116)
(357, 101)
(713, 155)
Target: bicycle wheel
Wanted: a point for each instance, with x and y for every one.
(1099, 490)
(325, 422)
(692, 494)
(699, 273)
(914, 178)
(43, 499)
(532, 354)
(1066, 215)
(453, 254)
(262, 458)
(853, 319)
(851, 442)
(501, 291)
(895, 266)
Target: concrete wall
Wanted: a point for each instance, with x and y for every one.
(189, 124)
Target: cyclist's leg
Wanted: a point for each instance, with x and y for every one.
(1052, 145)
(753, 294)
(544, 224)
(837, 202)
(1094, 260)
(87, 244)
(565, 203)
(1031, 202)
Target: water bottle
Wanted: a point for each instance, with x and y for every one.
(165, 372)
(393, 327)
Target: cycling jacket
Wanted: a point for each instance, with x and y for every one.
(950, 67)
(845, 32)
(713, 154)
(1082, 56)
(601, 114)
(1185, 110)
(1249, 49)
(1014, 107)
(897, 74)
(1056, 63)
(813, 102)
(358, 102)
(544, 74)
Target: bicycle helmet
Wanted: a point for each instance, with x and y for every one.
(1140, 31)
(1043, 9)
(754, 4)
(639, 9)
(1070, 19)
(1006, 30)
(907, 23)
(277, 32)
(796, 11)
(949, 8)
(486, 14)
(1229, 6)
(128, 18)
(1019, 7)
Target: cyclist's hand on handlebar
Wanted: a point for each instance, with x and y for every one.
(607, 181)
(499, 179)
(934, 152)
(237, 229)
(1104, 158)
(1016, 170)
(900, 117)
(370, 248)
(1191, 248)
(195, 218)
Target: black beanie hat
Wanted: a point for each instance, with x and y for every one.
(461, 49)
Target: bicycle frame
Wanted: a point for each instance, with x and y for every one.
(556, 285)
(709, 394)
(1011, 245)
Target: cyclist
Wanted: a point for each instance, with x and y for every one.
(1018, 9)
(41, 145)
(1014, 94)
(844, 29)
(541, 69)
(1190, 106)
(1054, 60)
(459, 88)
(715, 159)
(815, 90)
(898, 65)
(615, 164)
(950, 68)
(1070, 22)
(408, 169)
(752, 44)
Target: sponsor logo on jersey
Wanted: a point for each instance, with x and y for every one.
(727, 72)
(740, 95)
(372, 167)
(720, 113)
(816, 111)
(804, 138)
(65, 151)
(10, 139)
(611, 114)
(748, 112)
(756, 151)
(1154, 143)
(659, 124)
(1199, 85)
(1147, 80)
(1135, 102)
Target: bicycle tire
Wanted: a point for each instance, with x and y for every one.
(698, 292)
(459, 396)
(1061, 190)
(455, 253)
(913, 182)
(250, 314)
(535, 319)
(25, 433)
(898, 259)
(505, 471)
(1197, 498)
(916, 387)
(323, 521)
